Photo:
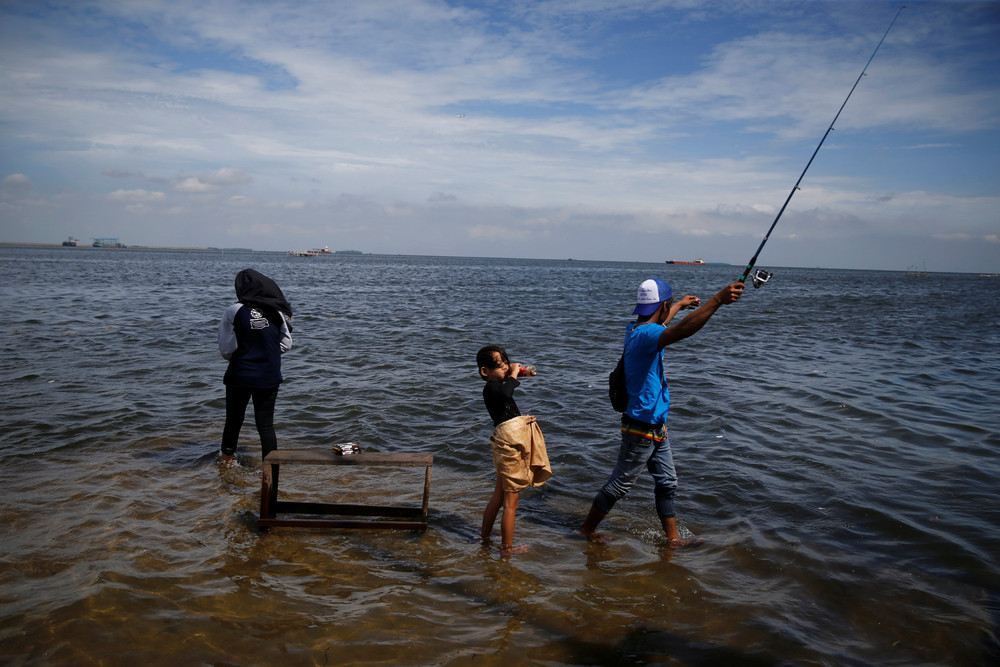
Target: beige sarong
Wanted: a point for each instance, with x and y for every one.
(519, 454)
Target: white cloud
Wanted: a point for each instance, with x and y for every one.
(212, 181)
(136, 196)
(193, 185)
(225, 176)
(15, 185)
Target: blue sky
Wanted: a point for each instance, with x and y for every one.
(594, 129)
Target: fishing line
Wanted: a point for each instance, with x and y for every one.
(763, 276)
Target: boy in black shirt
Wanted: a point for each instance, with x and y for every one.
(518, 446)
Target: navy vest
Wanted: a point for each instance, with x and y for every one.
(256, 363)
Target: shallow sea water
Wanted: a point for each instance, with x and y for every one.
(835, 433)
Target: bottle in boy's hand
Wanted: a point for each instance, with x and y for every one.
(527, 372)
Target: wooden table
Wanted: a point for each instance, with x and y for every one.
(409, 518)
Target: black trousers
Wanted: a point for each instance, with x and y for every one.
(237, 399)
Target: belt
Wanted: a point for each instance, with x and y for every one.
(634, 427)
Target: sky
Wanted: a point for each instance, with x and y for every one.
(632, 130)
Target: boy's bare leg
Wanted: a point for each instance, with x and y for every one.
(510, 499)
(492, 509)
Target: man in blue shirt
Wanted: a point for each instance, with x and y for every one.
(643, 429)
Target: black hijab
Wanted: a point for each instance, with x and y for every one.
(253, 288)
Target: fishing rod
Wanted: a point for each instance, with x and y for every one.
(762, 276)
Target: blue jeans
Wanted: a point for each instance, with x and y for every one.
(635, 453)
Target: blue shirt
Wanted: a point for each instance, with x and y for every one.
(648, 394)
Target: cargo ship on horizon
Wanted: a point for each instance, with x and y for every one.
(108, 243)
(698, 261)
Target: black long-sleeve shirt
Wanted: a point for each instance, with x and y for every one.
(499, 398)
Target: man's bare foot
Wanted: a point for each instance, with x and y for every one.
(685, 544)
(594, 536)
(674, 532)
(225, 460)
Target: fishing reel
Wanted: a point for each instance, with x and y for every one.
(760, 277)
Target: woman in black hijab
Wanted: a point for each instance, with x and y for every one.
(253, 335)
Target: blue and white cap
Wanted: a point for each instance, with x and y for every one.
(651, 294)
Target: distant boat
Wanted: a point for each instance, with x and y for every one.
(312, 252)
(108, 243)
(698, 261)
(71, 242)
(913, 272)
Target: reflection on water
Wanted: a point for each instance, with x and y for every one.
(840, 466)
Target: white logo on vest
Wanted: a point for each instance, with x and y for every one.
(257, 320)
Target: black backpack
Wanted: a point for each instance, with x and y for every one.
(616, 387)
